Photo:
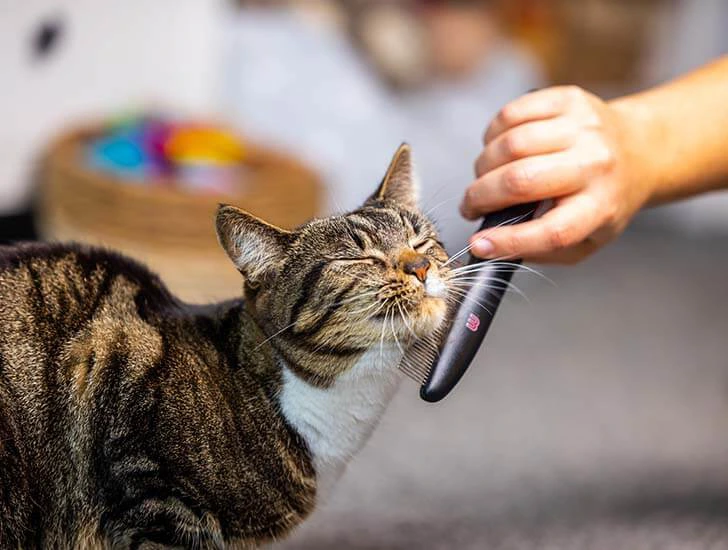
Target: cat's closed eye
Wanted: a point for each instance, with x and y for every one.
(371, 260)
(358, 239)
(431, 247)
(423, 245)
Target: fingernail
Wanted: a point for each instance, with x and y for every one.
(482, 247)
(467, 201)
(463, 210)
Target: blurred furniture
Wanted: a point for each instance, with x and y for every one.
(171, 230)
(62, 60)
(599, 44)
(17, 227)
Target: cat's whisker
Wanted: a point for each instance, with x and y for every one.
(281, 331)
(445, 186)
(278, 333)
(356, 297)
(477, 267)
(497, 263)
(466, 249)
(378, 310)
(335, 202)
(404, 320)
(439, 204)
(359, 277)
(376, 305)
(474, 272)
(381, 340)
(465, 296)
(394, 333)
(462, 302)
(465, 270)
(319, 346)
(485, 234)
(527, 269)
(468, 278)
(373, 303)
(470, 282)
(474, 275)
(503, 284)
(457, 255)
(496, 260)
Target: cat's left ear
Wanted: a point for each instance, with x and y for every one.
(255, 247)
(400, 183)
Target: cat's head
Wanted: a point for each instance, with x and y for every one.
(340, 286)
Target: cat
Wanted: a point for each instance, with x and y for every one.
(129, 419)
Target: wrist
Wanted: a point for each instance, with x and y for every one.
(639, 134)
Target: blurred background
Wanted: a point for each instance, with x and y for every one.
(597, 414)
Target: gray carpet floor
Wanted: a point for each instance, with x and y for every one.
(595, 417)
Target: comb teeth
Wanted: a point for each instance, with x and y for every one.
(421, 356)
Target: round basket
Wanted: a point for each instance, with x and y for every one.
(168, 228)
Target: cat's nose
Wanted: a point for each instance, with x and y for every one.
(415, 264)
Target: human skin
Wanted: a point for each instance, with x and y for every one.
(600, 162)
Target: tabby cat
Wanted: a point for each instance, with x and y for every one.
(131, 420)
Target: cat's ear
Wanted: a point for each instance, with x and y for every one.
(254, 246)
(400, 183)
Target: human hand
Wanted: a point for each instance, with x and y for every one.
(568, 145)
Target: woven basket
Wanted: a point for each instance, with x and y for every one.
(169, 229)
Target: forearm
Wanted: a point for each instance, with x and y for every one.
(677, 134)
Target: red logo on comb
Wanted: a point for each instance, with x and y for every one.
(473, 322)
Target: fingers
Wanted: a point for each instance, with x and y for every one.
(569, 256)
(539, 105)
(530, 179)
(564, 227)
(529, 139)
(551, 144)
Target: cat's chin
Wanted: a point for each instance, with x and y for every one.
(430, 317)
(420, 323)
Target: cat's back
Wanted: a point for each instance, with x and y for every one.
(58, 299)
(66, 284)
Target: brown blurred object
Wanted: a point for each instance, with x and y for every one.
(598, 44)
(392, 38)
(460, 34)
(170, 230)
(412, 42)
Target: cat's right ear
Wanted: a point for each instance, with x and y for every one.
(399, 184)
(254, 246)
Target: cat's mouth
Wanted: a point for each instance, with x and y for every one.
(434, 304)
(412, 309)
(422, 320)
(432, 315)
(429, 312)
(435, 286)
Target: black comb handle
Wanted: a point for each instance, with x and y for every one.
(473, 316)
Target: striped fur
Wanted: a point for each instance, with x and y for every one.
(131, 420)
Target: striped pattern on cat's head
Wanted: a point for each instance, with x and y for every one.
(337, 287)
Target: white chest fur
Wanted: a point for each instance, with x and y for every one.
(337, 421)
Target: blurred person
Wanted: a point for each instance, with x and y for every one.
(316, 91)
(600, 162)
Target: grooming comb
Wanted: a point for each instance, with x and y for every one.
(437, 362)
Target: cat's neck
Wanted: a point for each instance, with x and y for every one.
(336, 422)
